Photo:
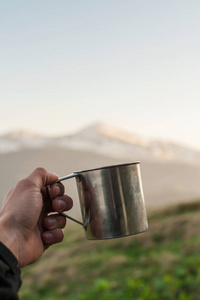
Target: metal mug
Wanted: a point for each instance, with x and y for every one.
(111, 200)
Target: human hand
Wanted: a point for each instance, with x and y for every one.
(26, 227)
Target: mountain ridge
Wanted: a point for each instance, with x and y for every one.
(107, 140)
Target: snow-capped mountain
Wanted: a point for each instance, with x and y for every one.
(118, 143)
(107, 140)
(19, 140)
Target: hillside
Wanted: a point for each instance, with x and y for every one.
(162, 263)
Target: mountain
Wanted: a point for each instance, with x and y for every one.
(163, 183)
(170, 172)
(106, 140)
(19, 140)
(118, 143)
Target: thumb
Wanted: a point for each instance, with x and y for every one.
(42, 177)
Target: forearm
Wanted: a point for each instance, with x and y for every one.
(10, 280)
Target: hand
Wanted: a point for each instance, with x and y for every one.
(26, 227)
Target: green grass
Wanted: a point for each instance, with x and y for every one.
(163, 263)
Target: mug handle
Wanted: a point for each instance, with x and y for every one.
(63, 214)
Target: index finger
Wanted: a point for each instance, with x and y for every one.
(41, 177)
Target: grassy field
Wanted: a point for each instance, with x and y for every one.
(163, 263)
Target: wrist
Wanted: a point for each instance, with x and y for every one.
(8, 235)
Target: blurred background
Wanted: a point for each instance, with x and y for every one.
(91, 83)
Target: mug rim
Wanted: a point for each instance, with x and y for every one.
(107, 167)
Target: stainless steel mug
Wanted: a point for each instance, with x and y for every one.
(111, 200)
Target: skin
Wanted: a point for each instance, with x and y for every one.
(26, 228)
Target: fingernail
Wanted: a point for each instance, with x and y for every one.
(61, 205)
(51, 222)
(48, 236)
(57, 188)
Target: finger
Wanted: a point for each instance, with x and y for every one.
(56, 190)
(50, 192)
(54, 221)
(63, 203)
(53, 191)
(42, 177)
(54, 236)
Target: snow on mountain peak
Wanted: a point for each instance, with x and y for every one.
(28, 134)
(122, 135)
(103, 130)
(21, 139)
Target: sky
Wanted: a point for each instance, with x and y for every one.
(65, 65)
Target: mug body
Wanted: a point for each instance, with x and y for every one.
(112, 201)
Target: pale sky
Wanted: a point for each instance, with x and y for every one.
(131, 63)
